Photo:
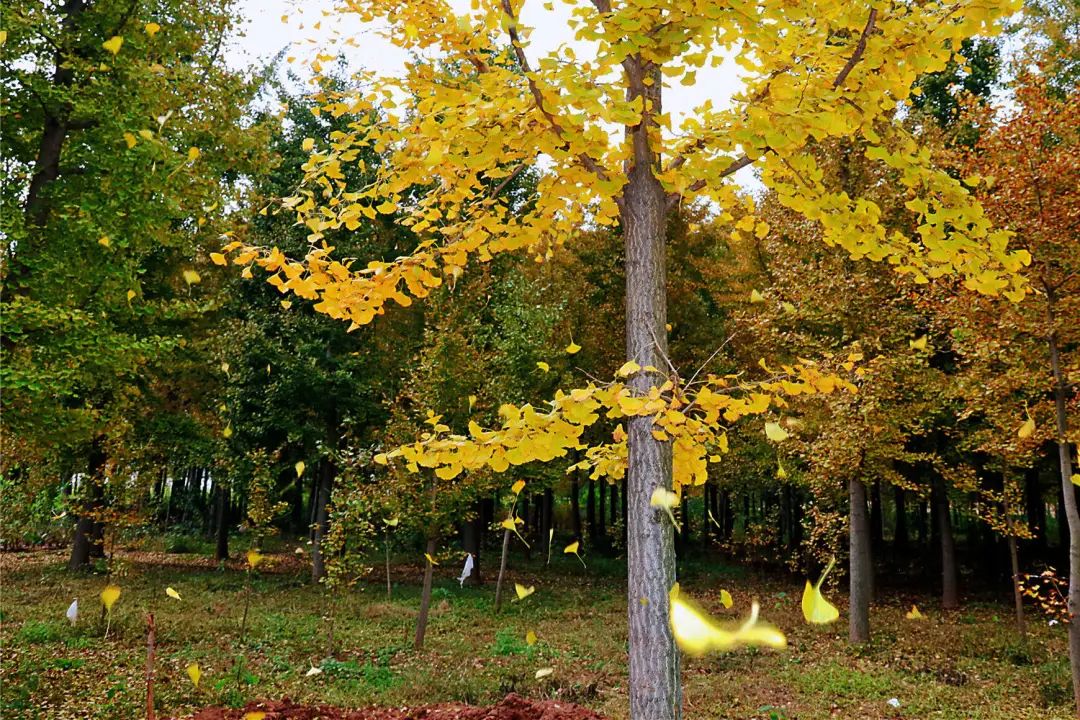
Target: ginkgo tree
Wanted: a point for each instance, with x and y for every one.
(607, 153)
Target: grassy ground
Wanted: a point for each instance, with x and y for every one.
(966, 664)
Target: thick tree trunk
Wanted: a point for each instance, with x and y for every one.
(950, 596)
(1072, 515)
(322, 518)
(221, 549)
(861, 569)
(877, 522)
(82, 544)
(425, 600)
(654, 687)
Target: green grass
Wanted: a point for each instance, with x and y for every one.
(963, 665)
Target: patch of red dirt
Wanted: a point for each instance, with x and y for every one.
(512, 707)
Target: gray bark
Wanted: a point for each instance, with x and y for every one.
(425, 600)
(322, 519)
(950, 596)
(861, 569)
(655, 692)
(502, 570)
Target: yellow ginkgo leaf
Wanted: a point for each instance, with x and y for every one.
(393, 522)
(543, 366)
(109, 596)
(914, 614)
(173, 594)
(544, 672)
(113, 44)
(104, 241)
(130, 140)
(191, 277)
(430, 559)
(816, 609)
(774, 432)
(572, 348)
(472, 402)
(227, 432)
(130, 295)
(522, 591)
(254, 715)
(152, 29)
(299, 467)
(781, 473)
(254, 557)
(1027, 429)
(517, 487)
(3, 37)
(194, 673)
(1076, 479)
(725, 599)
(286, 304)
(530, 638)
(218, 259)
(193, 154)
(572, 548)
(628, 368)
(756, 297)
(696, 633)
(918, 343)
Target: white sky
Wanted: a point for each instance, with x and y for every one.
(265, 35)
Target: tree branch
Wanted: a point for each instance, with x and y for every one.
(860, 48)
(587, 161)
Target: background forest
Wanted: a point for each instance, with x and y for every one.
(172, 420)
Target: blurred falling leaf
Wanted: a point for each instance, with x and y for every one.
(544, 672)
(109, 596)
(696, 633)
(522, 591)
(816, 609)
(725, 599)
(194, 673)
(172, 593)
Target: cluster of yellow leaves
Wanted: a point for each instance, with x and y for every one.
(694, 421)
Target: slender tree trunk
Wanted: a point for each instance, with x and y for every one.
(1035, 510)
(221, 549)
(1072, 515)
(861, 568)
(150, 645)
(950, 596)
(425, 600)
(900, 531)
(654, 687)
(322, 518)
(470, 541)
(575, 508)
(547, 519)
(601, 515)
(1018, 595)
(502, 570)
(590, 512)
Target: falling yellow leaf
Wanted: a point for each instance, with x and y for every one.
(696, 633)
(299, 467)
(109, 596)
(665, 500)
(781, 473)
(193, 154)
(227, 432)
(517, 487)
(1027, 429)
(756, 297)
(173, 594)
(104, 240)
(472, 402)
(152, 29)
(725, 599)
(544, 672)
(393, 522)
(430, 559)
(146, 134)
(572, 548)
(774, 432)
(530, 638)
(254, 557)
(113, 44)
(194, 673)
(816, 609)
(286, 304)
(191, 277)
(130, 295)
(918, 343)
(1075, 479)
(130, 140)
(573, 348)
(308, 144)
(522, 591)
(628, 368)
(914, 614)
(543, 366)
(3, 37)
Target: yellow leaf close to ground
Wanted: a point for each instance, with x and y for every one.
(522, 591)
(697, 634)
(172, 593)
(113, 44)
(816, 609)
(109, 596)
(194, 673)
